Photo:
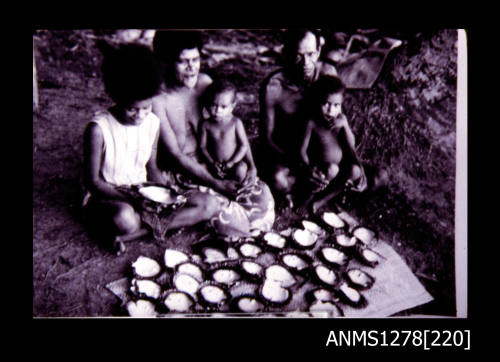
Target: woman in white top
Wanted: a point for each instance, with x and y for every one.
(120, 145)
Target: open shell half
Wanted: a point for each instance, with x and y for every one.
(141, 308)
(173, 257)
(185, 283)
(366, 235)
(274, 240)
(368, 256)
(177, 301)
(145, 267)
(325, 275)
(359, 279)
(251, 270)
(331, 308)
(280, 274)
(212, 295)
(192, 269)
(246, 304)
(333, 220)
(273, 293)
(297, 262)
(351, 296)
(333, 256)
(304, 239)
(145, 288)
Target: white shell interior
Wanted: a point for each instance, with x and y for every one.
(350, 293)
(371, 256)
(333, 255)
(213, 255)
(250, 250)
(323, 295)
(321, 306)
(225, 276)
(173, 257)
(191, 269)
(141, 308)
(359, 277)
(344, 240)
(326, 275)
(146, 267)
(312, 227)
(304, 237)
(275, 240)
(248, 304)
(332, 219)
(280, 274)
(294, 261)
(157, 194)
(364, 234)
(146, 287)
(213, 294)
(186, 283)
(273, 291)
(251, 267)
(178, 302)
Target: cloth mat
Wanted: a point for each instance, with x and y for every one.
(395, 289)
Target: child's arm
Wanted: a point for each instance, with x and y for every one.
(348, 140)
(351, 139)
(242, 144)
(93, 142)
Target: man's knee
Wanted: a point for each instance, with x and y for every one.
(126, 219)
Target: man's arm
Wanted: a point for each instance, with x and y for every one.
(305, 143)
(271, 95)
(154, 173)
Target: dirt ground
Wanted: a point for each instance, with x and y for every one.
(405, 123)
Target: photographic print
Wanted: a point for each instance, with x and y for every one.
(258, 173)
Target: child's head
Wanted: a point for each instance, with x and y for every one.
(180, 51)
(325, 97)
(131, 77)
(219, 99)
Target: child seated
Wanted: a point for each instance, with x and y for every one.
(120, 143)
(223, 140)
(328, 146)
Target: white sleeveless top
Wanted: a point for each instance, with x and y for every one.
(126, 149)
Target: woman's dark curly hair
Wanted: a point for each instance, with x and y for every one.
(130, 73)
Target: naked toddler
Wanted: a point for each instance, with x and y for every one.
(223, 140)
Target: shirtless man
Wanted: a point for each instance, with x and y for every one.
(178, 105)
(179, 112)
(280, 100)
